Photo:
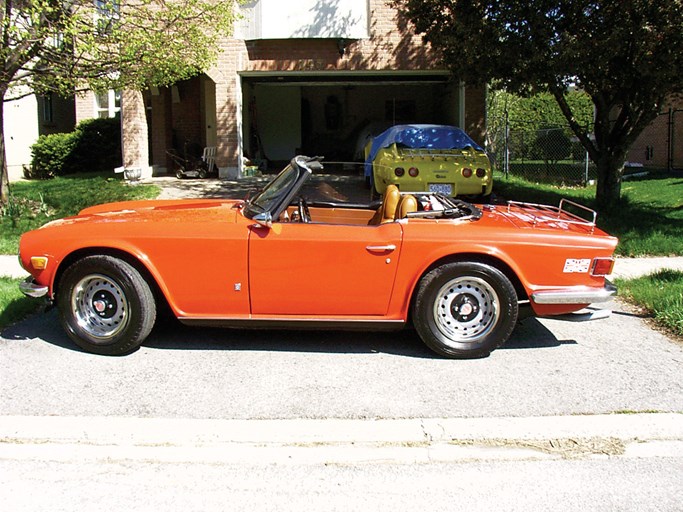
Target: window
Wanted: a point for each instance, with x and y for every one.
(48, 113)
(108, 103)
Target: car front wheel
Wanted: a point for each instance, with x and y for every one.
(465, 309)
(106, 306)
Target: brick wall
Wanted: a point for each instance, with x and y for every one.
(85, 106)
(664, 135)
(391, 46)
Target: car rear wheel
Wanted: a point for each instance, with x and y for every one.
(465, 309)
(106, 306)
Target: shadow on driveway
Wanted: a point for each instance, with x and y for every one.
(172, 335)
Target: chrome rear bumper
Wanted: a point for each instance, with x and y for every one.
(31, 289)
(575, 295)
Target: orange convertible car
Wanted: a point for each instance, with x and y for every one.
(460, 273)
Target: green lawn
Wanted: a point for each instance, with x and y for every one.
(33, 203)
(14, 306)
(660, 294)
(649, 222)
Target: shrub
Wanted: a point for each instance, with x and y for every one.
(553, 145)
(50, 155)
(98, 146)
(94, 146)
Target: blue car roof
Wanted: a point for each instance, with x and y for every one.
(430, 136)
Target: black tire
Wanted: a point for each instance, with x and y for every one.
(202, 174)
(106, 307)
(465, 310)
(179, 174)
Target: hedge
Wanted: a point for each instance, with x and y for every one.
(94, 146)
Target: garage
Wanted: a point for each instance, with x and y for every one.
(334, 113)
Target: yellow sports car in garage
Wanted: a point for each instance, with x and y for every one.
(428, 158)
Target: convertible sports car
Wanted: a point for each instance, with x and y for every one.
(460, 273)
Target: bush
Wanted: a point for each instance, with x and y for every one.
(50, 155)
(94, 146)
(553, 145)
(98, 146)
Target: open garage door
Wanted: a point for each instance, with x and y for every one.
(333, 114)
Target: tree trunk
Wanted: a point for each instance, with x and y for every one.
(4, 176)
(608, 193)
(134, 140)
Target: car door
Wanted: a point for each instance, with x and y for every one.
(322, 269)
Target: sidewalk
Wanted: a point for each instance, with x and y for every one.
(340, 441)
(623, 268)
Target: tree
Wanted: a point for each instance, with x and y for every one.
(63, 46)
(626, 55)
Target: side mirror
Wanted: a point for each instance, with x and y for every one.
(264, 219)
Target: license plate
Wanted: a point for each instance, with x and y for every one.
(441, 188)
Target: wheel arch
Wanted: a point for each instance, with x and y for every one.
(134, 260)
(471, 257)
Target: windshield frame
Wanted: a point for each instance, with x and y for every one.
(276, 196)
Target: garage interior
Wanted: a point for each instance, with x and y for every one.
(334, 115)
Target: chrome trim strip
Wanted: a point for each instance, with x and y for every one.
(31, 289)
(575, 295)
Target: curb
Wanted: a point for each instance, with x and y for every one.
(308, 441)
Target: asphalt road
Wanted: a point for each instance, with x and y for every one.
(627, 485)
(548, 367)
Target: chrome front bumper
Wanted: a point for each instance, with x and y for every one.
(575, 295)
(31, 289)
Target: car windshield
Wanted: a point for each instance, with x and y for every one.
(274, 193)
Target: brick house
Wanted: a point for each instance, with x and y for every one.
(660, 146)
(306, 76)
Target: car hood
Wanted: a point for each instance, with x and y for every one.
(166, 211)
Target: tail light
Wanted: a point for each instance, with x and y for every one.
(414, 172)
(481, 173)
(467, 172)
(399, 171)
(602, 266)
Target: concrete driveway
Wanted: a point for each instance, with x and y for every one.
(548, 367)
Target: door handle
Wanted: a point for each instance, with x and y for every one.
(381, 248)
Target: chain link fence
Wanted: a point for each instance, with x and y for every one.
(555, 155)
(547, 155)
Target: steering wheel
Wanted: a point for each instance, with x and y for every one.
(304, 214)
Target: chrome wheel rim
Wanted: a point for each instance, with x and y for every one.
(466, 309)
(100, 307)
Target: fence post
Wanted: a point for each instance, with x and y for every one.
(506, 157)
(587, 159)
(670, 142)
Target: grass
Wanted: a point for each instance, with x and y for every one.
(14, 306)
(33, 203)
(554, 172)
(649, 221)
(660, 295)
